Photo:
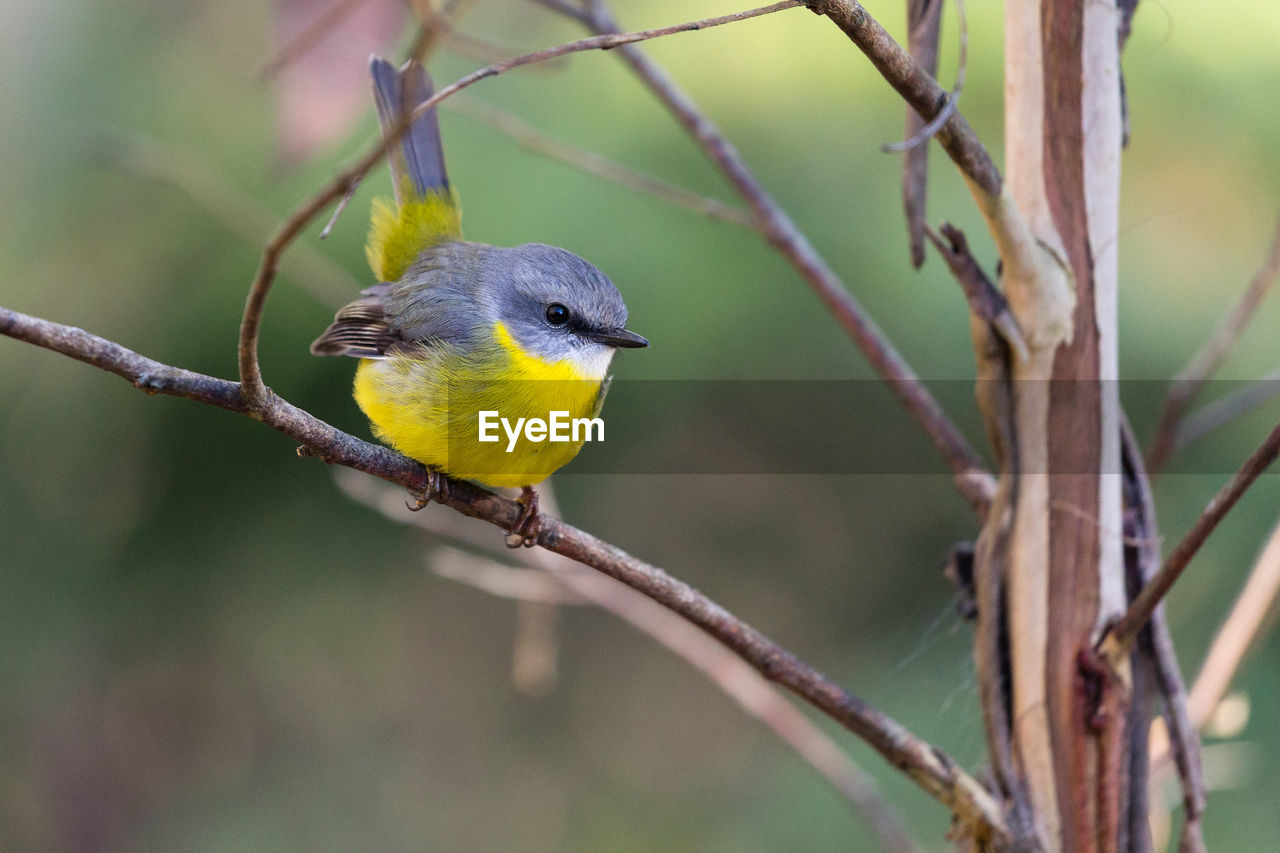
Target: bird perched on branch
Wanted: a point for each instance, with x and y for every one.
(455, 329)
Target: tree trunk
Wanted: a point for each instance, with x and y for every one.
(1050, 559)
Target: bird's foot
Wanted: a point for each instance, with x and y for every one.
(526, 530)
(437, 489)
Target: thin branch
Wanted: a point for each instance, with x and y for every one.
(496, 579)
(924, 25)
(436, 26)
(917, 87)
(985, 300)
(738, 680)
(1202, 365)
(1183, 734)
(972, 479)
(252, 387)
(1224, 410)
(594, 164)
(308, 37)
(240, 213)
(930, 768)
(1158, 649)
(568, 9)
(927, 132)
(1239, 632)
(1122, 632)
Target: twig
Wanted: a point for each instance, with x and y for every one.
(252, 387)
(917, 87)
(1224, 410)
(568, 9)
(435, 26)
(1202, 365)
(1238, 633)
(972, 479)
(926, 133)
(313, 271)
(594, 164)
(984, 299)
(1183, 736)
(310, 35)
(926, 765)
(1162, 657)
(739, 681)
(494, 578)
(924, 24)
(338, 208)
(1123, 631)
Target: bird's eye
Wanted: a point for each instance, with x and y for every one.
(557, 314)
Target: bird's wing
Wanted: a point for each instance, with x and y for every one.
(360, 329)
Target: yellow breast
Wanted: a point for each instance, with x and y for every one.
(428, 407)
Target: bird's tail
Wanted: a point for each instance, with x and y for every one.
(426, 210)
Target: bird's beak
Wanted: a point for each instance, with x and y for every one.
(618, 338)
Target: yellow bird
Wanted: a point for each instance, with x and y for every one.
(461, 337)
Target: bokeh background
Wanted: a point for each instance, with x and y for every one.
(206, 645)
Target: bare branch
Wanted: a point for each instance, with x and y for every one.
(737, 679)
(313, 271)
(436, 26)
(972, 478)
(497, 579)
(568, 9)
(594, 164)
(1202, 365)
(1122, 632)
(924, 134)
(924, 24)
(984, 299)
(1224, 410)
(308, 37)
(252, 387)
(1156, 646)
(926, 765)
(916, 86)
(1239, 632)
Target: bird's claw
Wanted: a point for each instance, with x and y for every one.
(437, 489)
(526, 530)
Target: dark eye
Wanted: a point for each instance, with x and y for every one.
(557, 314)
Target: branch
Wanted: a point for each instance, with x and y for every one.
(594, 164)
(917, 88)
(242, 214)
(1238, 633)
(252, 387)
(924, 764)
(1122, 633)
(925, 133)
(308, 37)
(924, 25)
(1206, 361)
(985, 300)
(1157, 656)
(1224, 410)
(972, 479)
(738, 680)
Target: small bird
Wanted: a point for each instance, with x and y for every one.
(456, 328)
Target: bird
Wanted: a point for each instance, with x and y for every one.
(455, 330)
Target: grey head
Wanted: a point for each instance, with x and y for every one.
(555, 305)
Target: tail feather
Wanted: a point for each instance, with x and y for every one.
(417, 162)
(426, 210)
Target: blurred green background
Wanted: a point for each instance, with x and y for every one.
(208, 646)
